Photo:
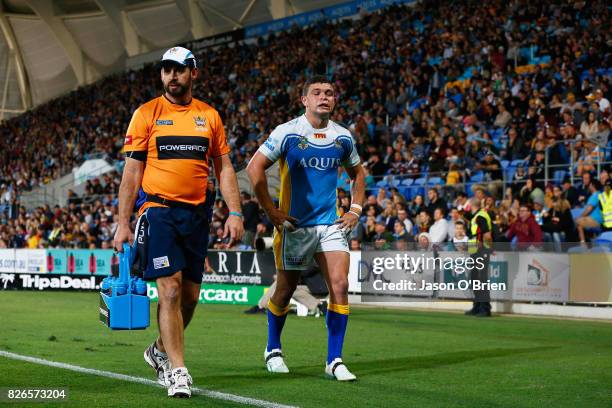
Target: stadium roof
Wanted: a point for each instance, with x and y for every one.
(51, 47)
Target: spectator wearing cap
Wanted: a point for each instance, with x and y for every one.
(424, 241)
(591, 217)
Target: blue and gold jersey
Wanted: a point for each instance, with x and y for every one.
(309, 162)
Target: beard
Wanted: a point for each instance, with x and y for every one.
(178, 92)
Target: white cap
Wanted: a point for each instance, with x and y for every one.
(181, 56)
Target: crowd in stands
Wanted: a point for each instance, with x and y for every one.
(475, 97)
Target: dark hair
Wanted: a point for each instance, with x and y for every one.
(316, 79)
(597, 184)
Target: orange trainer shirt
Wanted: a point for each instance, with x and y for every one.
(175, 142)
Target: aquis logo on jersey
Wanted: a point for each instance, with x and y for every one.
(200, 123)
(320, 163)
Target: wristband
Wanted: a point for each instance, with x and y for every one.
(360, 208)
(354, 213)
(236, 214)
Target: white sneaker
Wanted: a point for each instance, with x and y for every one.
(160, 363)
(337, 370)
(181, 383)
(274, 361)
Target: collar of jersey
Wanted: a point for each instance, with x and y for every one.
(177, 105)
(317, 130)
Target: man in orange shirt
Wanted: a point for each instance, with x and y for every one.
(168, 144)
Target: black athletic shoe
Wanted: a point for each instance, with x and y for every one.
(322, 308)
(254, 310)
(473, 311)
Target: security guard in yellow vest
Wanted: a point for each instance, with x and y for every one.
(605, 200)
(479, 247)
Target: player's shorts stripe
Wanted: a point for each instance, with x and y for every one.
(277, 248)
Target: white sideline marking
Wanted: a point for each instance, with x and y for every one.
(208, 393)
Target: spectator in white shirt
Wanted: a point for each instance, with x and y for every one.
(604, 104)
(438, 232)
(460, 238)
(402, 216)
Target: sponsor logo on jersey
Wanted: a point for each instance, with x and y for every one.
(128, 140)
(164, 122)
(269, 144)
(182, 147)
(320, 163)
(320, 136)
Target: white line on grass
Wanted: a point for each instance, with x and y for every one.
(208, 393)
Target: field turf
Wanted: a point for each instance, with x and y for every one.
(402, 358)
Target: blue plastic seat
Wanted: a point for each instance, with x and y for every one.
(477, 177)
(605, 236)
(558, 176)
(434, 181)
(407, 182)
(576, 212)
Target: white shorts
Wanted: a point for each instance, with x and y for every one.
(295, 250)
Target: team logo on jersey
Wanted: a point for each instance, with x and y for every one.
(200, 123)
(337, 144)
(320, 136)
(303, 143)
(164, 122)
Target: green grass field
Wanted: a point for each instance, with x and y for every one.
(402, 358)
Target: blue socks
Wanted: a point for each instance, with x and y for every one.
(276, 321)
(336, 320)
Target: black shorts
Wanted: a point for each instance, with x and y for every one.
(176, 239)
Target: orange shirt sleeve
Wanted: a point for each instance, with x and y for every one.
(218, 144)
(137, 136)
